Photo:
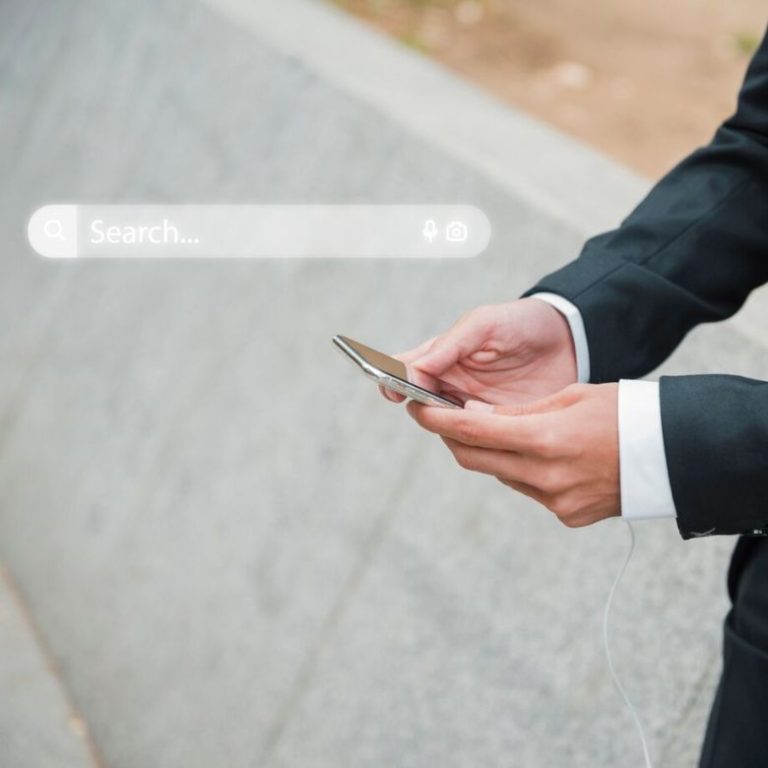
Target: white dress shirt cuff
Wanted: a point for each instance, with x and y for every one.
(578, 334)
(645, 488)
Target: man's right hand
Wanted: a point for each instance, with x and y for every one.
(505, 354)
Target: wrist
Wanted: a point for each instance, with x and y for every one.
(554, 330)
(577, 344)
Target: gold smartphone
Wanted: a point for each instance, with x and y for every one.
(392, 374)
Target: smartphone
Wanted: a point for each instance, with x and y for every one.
(392, 374)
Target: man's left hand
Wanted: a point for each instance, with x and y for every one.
(562, 451)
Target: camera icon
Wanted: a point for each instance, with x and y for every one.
(456, 232)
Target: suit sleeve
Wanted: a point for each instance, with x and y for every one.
(690, 253)
(716, 444)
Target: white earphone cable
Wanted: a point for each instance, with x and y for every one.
(617, 682)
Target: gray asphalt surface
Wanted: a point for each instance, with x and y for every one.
(234, 553)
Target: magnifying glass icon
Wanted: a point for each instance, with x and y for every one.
(53, 229)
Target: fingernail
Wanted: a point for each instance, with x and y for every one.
(477, 405)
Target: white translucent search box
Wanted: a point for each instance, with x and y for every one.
(258, 231)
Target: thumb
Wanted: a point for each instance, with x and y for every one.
(547, 404)
(466, 337)
(499, 410)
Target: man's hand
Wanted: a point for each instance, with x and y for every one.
(504, 354)
(562, 451)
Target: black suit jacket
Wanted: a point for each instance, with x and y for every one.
(690, 253)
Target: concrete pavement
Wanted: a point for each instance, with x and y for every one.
(232, 550)
(39, 725)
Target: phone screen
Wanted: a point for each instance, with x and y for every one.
(396, 369)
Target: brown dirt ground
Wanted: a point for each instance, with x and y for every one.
(646, 81)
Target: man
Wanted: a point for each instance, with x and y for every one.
(693, 447)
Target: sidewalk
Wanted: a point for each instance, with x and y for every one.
(38, 726)
(232, 550)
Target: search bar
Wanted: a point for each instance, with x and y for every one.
(258, 231)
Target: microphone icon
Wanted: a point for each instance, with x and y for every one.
(430, 231)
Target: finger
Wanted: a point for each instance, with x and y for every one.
(524, 488)
(421, 379)
(391, 395)
(478, 428)
(416, 352)
(414, 375)
(407, 357)
(479, 405)
(554, 402)
(466, 337)
(501, 464)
